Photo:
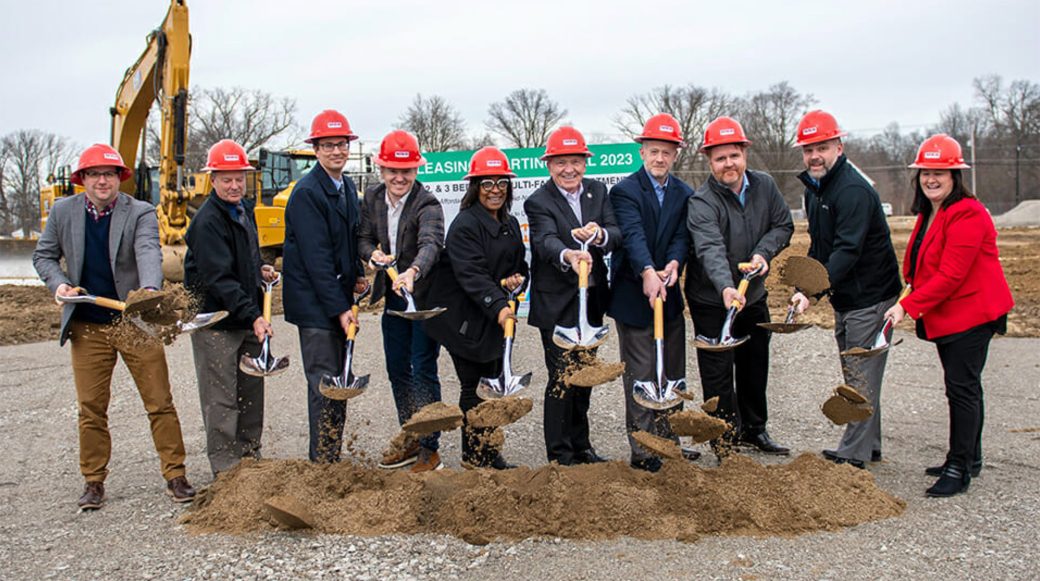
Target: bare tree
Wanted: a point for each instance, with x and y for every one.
(477, 141)
(770, 118)
(435, 122)
(1014, 112)
(29, 156)
(692, 106)
(525, 118)
(959, 122)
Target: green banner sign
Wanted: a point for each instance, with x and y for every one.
(612, 158)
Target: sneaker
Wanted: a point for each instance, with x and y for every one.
(179, 489)
(427, 460)
(93, 496)
(404, 450)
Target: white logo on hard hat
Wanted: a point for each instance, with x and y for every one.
(809, 130)
(231, 157)
(932, 155)
(112, 156)
(570, 142)
(494, 163)
(666, 129)
(402, 154)
(334, 125)
(724, 132)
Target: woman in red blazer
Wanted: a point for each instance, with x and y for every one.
(960, 297)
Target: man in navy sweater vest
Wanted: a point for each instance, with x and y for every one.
(110, 243)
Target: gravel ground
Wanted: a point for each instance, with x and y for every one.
(988, 533)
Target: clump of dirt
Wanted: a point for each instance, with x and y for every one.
(846, 405)
(499, 412)
(289, 512)
(340, 393)
(806, 274)
(595, 374)
(656, 445)
(710, 405)
(855, 352)
(154, 325)
(401, 443)
(741, 497)
(435, 417)
(700, 427)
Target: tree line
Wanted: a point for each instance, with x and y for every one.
(1002, 121)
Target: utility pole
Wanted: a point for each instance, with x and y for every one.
(1018, 155)
(974, 170)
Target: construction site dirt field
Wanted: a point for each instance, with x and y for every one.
(755, 517)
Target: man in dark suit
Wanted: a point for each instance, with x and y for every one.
(110, 245)
(650, 206)
(401, 218)
(322, 270)
(564, 212)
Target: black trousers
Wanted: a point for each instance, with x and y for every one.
(745, 407)
(566, 410)
(475, 449)
(962, 360)
(322, 354)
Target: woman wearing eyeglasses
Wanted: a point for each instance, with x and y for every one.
(960, 297)
(484, 247)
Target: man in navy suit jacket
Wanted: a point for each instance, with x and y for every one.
(650, 206)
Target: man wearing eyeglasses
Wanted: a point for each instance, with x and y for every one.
(563, 213)
(110, 244)
(322, 269)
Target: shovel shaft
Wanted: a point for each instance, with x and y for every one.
(392, 273)
(352, 328)
(510, 327)
(583, 274)
(267, 306)
(110, 304)
(658, 319)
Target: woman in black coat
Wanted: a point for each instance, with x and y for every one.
(484, 246)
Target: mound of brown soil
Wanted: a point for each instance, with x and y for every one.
(435, 417)
(289, 512)
(741, 497)
(658, 446)
(499, 412)
(697, 425)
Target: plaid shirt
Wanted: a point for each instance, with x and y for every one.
(96, 213)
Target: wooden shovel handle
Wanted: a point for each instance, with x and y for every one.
(392, 273)
(267, 306)
(510, 327)
(583, 274)
(658, 318)
(352, 328)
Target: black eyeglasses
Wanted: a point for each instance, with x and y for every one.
(108, 175)
(330, 147)
(501, 184)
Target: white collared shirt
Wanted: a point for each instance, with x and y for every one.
(574, 201)
(393, 219)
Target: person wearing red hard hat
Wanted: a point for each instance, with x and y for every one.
(959, 298)
(109, 243)
(483, 252)
(850, 237)
(650, 206)
(565, 211)
(223, 269)
(321, 270)
(402, 220)
(736, 216)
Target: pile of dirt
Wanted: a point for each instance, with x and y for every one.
(846, 405)
(699, 426)
(494, 413)
(741, 497)
(656, 445)
(28, 314)
(435, 417)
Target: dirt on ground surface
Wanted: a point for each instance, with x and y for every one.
(435, 417)
(741, 497)
(495, 413)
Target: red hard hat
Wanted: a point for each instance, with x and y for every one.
(226, 155)
(330, 123)
(489, 161)
(817, 126)
(400, 150)
(661, 127)
(566, 141)
(940, 152)
(100, 155)
(723, 131)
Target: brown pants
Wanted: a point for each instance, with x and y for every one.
(93, 359)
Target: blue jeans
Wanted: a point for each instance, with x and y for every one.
(411, 364)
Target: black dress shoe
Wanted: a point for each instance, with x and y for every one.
(690, 454)
(764, 443)
(650, 464)
(976, 468)
(875, 455)
(588, 457)
(832, 455)
(851, 462)
(954, 480)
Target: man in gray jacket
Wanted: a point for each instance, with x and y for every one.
(736, 216)
(110, 243)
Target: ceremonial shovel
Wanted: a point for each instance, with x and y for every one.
(135, 309)
(346, 385)
(265, 365)
(584, 336)
(726, 340)
(883, 340)
(660, 393)
(411, 313)
(507, 383)
(788, 326)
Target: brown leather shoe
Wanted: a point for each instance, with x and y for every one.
(179, 489)
(403, 451)
(93, 496)
(428, 460)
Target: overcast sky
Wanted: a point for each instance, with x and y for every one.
(870, 63)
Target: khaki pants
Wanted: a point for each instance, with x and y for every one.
(93, 359)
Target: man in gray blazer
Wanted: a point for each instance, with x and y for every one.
(110, 243)
(401, 218)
